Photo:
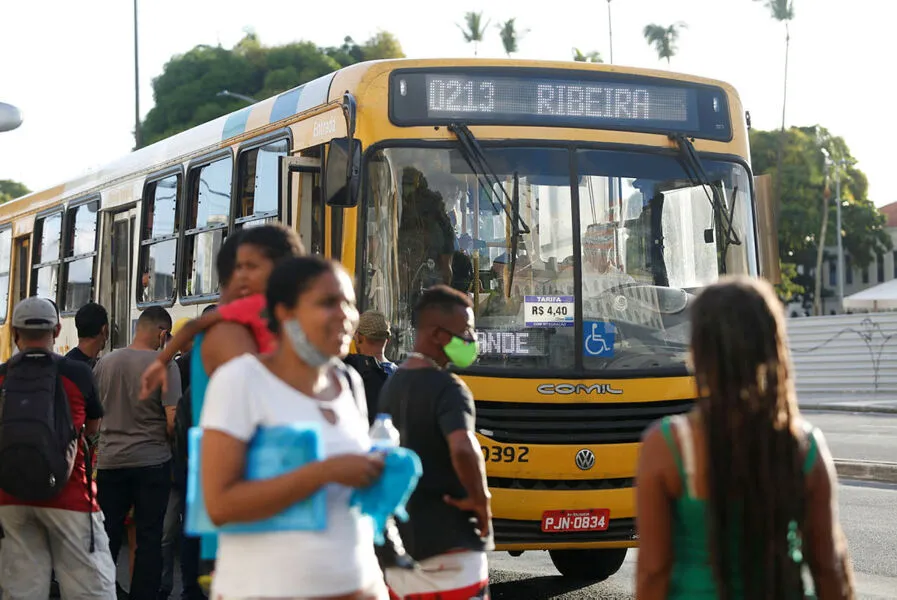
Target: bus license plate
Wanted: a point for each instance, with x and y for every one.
(556, 521)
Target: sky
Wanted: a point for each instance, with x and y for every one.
(69, 66)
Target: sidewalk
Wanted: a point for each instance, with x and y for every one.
(864, 444)
(885, 403)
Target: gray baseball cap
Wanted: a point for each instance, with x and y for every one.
(35, 313)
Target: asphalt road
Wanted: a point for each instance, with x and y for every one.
(858, 436)
(867, 512)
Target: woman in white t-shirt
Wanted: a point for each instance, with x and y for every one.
(311, 305)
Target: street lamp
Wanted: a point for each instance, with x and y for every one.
(249, 99)
(10, 117)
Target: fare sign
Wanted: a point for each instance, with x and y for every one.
(548, 311)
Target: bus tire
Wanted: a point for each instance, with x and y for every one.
(588, 565)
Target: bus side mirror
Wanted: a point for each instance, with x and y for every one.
(342, 172)
(767, 231)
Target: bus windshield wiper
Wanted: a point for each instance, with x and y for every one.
(488, 180)
(694, 168)
(515, 215)
(486, 176)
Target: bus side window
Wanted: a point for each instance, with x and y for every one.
(258, 183)
(159, 241)
(80, 255)
(47, 252)
(5, 256)
(208, 214)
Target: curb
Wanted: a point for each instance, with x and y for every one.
(866, 470)
(863, 408)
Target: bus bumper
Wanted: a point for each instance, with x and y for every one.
(517, 519)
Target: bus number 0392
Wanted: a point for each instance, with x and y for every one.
(506, 454)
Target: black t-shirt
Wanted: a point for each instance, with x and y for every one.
(76, 354)
(427, 405)
(183, 363)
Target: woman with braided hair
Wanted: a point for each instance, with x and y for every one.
(738, 498)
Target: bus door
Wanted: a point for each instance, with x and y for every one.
(22, 269)
(302, 203)
(118, 263)
(16, 259)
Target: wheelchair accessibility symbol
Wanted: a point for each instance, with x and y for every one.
(598, 338)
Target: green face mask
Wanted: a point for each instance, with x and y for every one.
(461, 353)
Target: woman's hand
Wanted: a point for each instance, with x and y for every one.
(354, 470)
(155, 376)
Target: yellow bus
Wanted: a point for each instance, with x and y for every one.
(581, 206)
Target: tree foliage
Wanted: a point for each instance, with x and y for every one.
(187, 93)
(474, 29)
(510, 36)
(804, 179)
(382, 45)
(10, 190)
(789, 288)
(592, 57)
(664, 39)
(780, 10)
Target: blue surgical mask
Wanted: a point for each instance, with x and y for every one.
(303, 348)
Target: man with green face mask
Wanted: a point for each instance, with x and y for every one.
(450, 527)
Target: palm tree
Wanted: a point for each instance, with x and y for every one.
(664, 39)
(592, 57)
(510, 37)
(783, 12)
(474, 29)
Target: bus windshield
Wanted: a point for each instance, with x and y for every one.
(614, 245)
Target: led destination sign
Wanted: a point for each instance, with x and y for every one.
(599, 100)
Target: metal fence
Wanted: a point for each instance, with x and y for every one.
(849, 356)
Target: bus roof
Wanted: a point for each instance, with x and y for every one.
(215, 134)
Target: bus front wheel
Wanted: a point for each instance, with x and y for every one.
(588, 565)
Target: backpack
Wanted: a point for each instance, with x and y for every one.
(38, 439)
(373, 375)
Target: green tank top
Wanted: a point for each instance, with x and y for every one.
(692, 573)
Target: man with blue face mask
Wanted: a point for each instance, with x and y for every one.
(450, 527)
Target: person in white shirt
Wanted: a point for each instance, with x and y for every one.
(312, 308)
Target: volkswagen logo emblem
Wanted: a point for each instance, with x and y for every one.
(585, 459)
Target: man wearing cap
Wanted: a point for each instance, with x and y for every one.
(371, 337)
(55, 535)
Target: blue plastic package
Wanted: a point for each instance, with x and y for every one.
(273, 451)
(389, 494)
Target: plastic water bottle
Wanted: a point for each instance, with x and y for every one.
(384, 435)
